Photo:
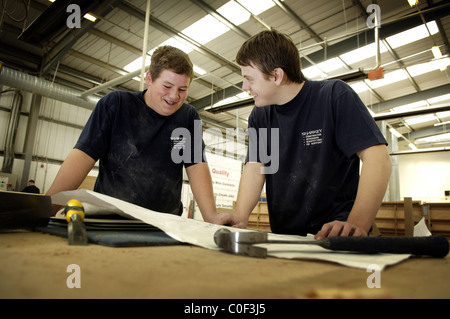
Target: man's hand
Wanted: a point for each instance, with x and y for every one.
(338, 228)
(228, 220)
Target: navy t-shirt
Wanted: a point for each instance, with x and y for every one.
(135, 147)
(319, 131)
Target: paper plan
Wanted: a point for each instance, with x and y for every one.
(200, 233)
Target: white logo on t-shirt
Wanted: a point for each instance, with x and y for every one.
(313, 137)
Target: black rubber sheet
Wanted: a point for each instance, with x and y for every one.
(115, 233)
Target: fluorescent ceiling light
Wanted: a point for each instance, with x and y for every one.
(443, 63)
(395, 132)
(412, 3)
(234, 12)
(320, 70)
(362, 53)
(205, 29)
(226, 101)
(238, 97)
(135, 65)
(359, 87)
(412, 35)
(413, 70)
(177, 44)
(439, 98)
(331, 65)
(410, 106)
(313, 72)
(426, 67)
(257, 6)
(421, 119)
(243, 95)
(438, 56)
(443, 115)
(436, 52)
(90, 17)
(209, 28)
(442, 123)
(199, 70)
(389, 78)
(440, 138)
(395, 41)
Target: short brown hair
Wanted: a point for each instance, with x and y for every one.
(170, 58)
(269, 50)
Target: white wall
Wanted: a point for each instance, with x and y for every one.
(424, 176)
(53, 139)
(42, 172)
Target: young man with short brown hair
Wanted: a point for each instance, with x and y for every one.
(324, 131)
(131, 134)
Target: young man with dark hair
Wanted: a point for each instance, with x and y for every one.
(324, 131)
(131, 134)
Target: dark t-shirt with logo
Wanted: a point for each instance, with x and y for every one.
(141, 152)
(314, 138)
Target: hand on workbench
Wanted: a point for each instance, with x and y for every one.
(228, 220)
(338, 228)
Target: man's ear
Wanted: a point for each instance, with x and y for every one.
(148, 78)
(278, 76)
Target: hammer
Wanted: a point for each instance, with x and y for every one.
(76, 231)
(242, 243)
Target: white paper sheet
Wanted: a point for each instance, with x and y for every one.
(202, 234)
(421, 229)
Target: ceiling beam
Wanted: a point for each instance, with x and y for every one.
(414, 112)
(172, 32)
(115, 41)
(410, 98)
(288, 11)
(366, 36)
(429, 131)
(217, 96)
(59, 50)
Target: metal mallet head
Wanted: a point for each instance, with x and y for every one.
(230, 242)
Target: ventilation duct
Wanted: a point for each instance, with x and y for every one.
(33, 84)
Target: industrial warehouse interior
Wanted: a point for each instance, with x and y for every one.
(59, 58)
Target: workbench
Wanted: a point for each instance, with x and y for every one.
(34, 265)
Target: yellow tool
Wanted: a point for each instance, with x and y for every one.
(76, 231)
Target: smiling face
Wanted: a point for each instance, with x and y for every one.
(167, 93)
(260, 87)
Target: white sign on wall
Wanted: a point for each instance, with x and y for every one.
(225, 174)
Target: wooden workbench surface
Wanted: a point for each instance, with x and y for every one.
(34, 265)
